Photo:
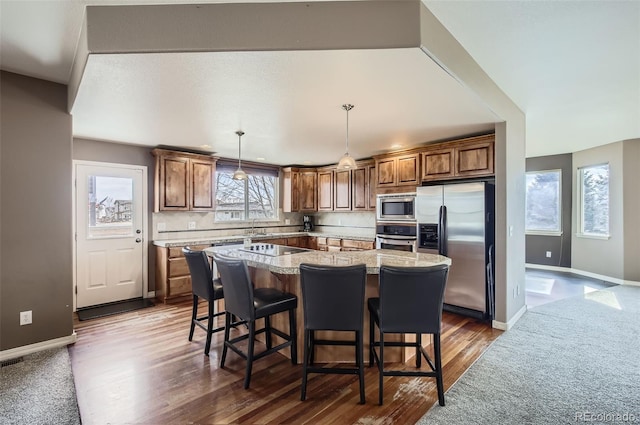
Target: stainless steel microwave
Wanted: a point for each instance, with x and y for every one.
(396, 207)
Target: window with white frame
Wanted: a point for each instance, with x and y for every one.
(593, 200)
(241, 200)
(544, 202)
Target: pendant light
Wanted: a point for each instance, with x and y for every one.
(239, 174)
(347, 162)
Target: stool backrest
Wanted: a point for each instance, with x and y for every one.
(411, 298)
(332, 296)
(201, 275)
(237, 286)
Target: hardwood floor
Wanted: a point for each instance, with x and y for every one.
(139, 368)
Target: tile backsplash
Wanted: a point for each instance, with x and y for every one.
(184, 224)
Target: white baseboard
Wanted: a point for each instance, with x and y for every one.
(39, 346)
(508, 325)
(583, 273)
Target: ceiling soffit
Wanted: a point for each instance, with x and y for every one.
(245, 27)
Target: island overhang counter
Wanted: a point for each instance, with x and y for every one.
(283, 272)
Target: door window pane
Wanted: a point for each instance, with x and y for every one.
(543, 202)
(594, 200)
(110, 207)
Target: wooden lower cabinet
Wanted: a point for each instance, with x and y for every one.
(356, 245)
(173, 280)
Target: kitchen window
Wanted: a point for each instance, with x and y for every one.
(243, 200)
(593, 201)
(544, 203)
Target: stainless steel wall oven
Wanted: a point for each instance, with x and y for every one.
(397, 236)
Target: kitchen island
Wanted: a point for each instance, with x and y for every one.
(270, 270)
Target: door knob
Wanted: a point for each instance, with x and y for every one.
(138, 231)
(138, 240)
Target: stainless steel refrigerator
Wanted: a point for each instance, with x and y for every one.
(457, 220)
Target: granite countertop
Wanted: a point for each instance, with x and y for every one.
(239, 238)
(290, 263)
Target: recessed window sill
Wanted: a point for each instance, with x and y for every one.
(591, 236)
(542, 233)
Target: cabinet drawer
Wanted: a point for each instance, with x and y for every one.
(176, 251)
(331, 248)
(293, 242)
(321, 241)
(178, 286)
(355, 245)
(333, 242)
(178, 267)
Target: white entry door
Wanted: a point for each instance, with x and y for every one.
(110, 222)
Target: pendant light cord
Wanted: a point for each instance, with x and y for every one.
(240, 134)
(347, 107)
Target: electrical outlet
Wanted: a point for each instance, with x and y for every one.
(25, 318)
(162, 227)
(287, 221)
(192, 225)
(548, 254)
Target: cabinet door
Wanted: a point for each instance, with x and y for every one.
(202, 180)
(308, 191)
(474, 160)
(408, 170)
(342, 190)
(174, 183)
(292, 190)
(359, 189)
(325, 190)
(371, 188)
(437, 164)
(386, 172)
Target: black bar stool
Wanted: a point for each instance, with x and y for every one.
(410, 301)
(203, 286)
(249, 305)
(333, 300)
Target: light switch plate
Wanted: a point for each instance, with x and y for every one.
(192, 225)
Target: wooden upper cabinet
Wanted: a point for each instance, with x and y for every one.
(300, 192)
(471, 157)
(474, 159)
(408, 170)
(173, 183)
(438, 164)
(363, 193)
(398, 170)
(202, 183)
(386, 172)
(360, 189)
(371, 186)
(308, 190)
(325, 190)
(183, 181)
(342, 190)
(291, 188)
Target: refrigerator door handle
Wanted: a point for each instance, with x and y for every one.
(442, 231)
